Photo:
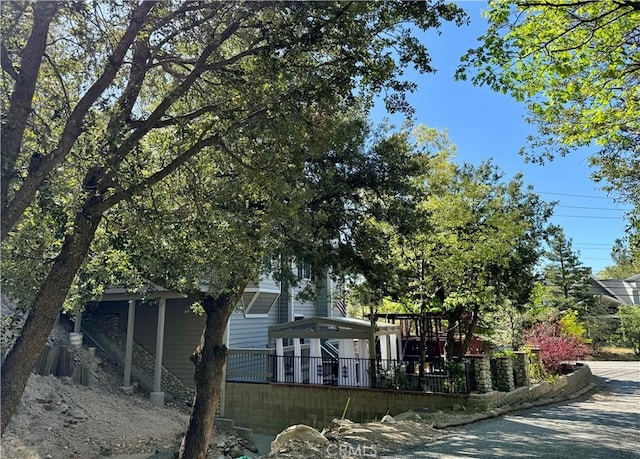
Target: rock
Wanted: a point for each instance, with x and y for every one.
(408, 416)
(337, 423)
(235, 451)
(297, 433)
(388, 419)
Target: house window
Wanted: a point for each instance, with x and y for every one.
(304, 270)
(297, 318)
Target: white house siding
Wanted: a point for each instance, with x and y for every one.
(304, 308)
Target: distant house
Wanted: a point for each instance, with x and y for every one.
(616, 291)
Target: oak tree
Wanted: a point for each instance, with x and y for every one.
(103, 102)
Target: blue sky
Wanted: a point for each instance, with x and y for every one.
(484, 124)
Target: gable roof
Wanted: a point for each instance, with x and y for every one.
(621, 291)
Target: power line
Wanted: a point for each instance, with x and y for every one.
(589, 216)
(575, 195)
(596, 208)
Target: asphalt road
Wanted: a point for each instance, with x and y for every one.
(605, 425)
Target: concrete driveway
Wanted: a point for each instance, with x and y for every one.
(602, 425)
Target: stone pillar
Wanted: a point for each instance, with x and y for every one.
(482, 373)
(536, 358)
(505, 374)
(521, 376)
(537, 368)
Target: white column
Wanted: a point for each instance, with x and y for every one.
(279, 360)
(363, 360)
(157, 396)
(157, 376)
(347, 355)
(297, 360)
(315, 354)
(128, 353)
(393, 354)
(384, 351)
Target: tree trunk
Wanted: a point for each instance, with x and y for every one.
(15, 119)
(423, 343)
(44, 311)
(468, 334)
(209, 359)
(453, 317)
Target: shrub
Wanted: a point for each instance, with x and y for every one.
(571, 327)
(556, 348)
(630, 326)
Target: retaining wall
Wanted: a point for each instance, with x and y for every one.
(270, 408)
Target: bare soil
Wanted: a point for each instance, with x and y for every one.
(615, 353)
(59, 418)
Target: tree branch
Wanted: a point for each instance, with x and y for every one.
(15, 120)
(173, 165)
(5, 62)
(13, 210)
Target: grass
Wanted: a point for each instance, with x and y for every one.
(614, 353)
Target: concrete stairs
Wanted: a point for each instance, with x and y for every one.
(230, 424)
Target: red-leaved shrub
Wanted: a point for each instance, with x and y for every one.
(556, 349)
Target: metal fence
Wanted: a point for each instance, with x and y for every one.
(260, 366)
(250, 365)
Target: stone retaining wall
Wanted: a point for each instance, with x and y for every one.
(564, 386)
(269, 408)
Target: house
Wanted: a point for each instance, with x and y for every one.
(164, 325)
(616, 291)
(610, 294)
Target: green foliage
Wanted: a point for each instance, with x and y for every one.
(565, 274)
(225, 89)
(571, 327)
(575, 66)
(503, 324)
(466, 240)
(504, 353)
(630, 325)
(626, 261)
(456, 380)
(177, 142)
